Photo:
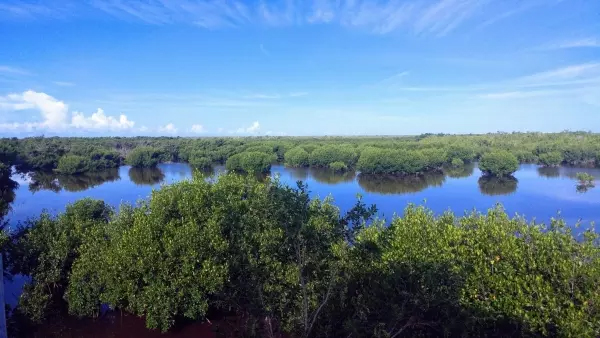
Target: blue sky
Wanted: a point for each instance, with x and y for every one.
(291, 67)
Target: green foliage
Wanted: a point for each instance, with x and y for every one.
(498, 163)
(338, 166)
(250, 162)
(46, 249)
(385, 161)
(585, 178)
(322, 156)
(550, 159)
(143, 157)
(198, 160)
(462, 151)
(72, 164)
(295, 265)
(457, 162)
(297, 157)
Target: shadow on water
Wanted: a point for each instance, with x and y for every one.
(298, 174)
(494, 186)
(146, 176)
(393, 184)
(549, 172)
(72, 183)
(328, 176)
(460, 172)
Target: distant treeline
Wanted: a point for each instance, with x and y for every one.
(369, 155)
(289, 266)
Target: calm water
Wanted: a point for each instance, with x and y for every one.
(539, 193)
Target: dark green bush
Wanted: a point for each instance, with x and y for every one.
(498, 163)
(338, 166)
(295, 265)
(200, 161)
(296, 157)
(143, 157)
(457, 162)
(322, 156)
(550, 159)
(72, 164)
(250, 162)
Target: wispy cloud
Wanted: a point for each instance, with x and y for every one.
(589, 42)
(565, 73)
(64, 84)
(381, 17)
(13, 70)
(264, 50)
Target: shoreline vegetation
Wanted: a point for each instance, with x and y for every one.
(407, 155)
(292, 266)
(295, 266)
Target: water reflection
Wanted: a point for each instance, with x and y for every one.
(494, 186)
(7, 195)
(146, 176)
(298, 174)
(72, 183)
(393, 184)
(328, 176)
(460, 172)
(549, 172)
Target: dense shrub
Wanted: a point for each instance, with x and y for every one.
(498, 163)
(250, 162)
(385, 161)
(550, 159)
(322, 156)
(295, 265)
(197, 160)
(463, 152)
(72, 164)
(296, 157)
(143, 157)
(338, 166)
(457, 162)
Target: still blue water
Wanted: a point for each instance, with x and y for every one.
(537, 193)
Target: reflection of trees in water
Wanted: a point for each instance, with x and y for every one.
(7, 195)
(583, 188)
(460, 172)
(494, 186)
(146, 176)
(394, 184)
(298, 174)
(328, 176)
(549, 172)
(72, 183)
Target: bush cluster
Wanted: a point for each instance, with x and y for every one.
(298, 266)
(250, 162)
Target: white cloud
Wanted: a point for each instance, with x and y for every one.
(13, 70)
(298, 94)
(252, 129)
(99, 120)
(54, 115)
(564, 73)
(220, 130)
(197, 128)
(168, 129)
(64, 84)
